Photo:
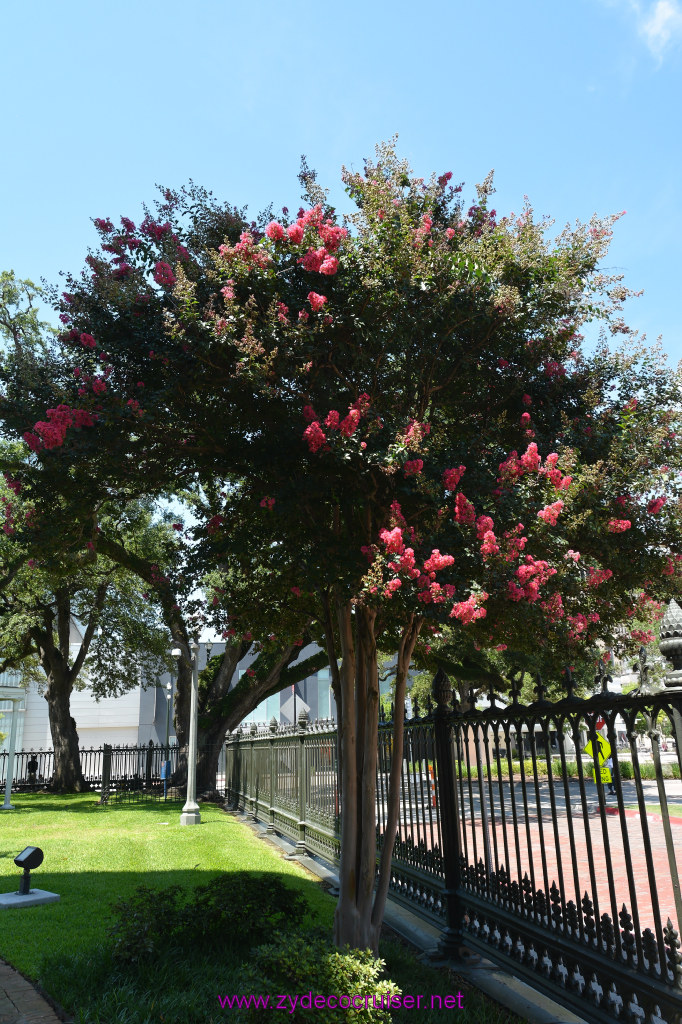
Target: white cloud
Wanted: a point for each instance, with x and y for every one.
(659, 22)
(660, 26)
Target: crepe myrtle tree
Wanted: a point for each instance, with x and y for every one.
(402, 403)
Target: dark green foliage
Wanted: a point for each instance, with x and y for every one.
(236, 911)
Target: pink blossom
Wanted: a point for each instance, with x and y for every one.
(527, 400)
(393, 540)
(618, 525)
(332, 420)
(88, 341)
(437, 561)
(489, 545)
(329, 266)
(572, 555)
(530, 460)
(228, 291)
(483, 524)
(391, 587)
(553, 608)
(274, 231)
(309, 414)
(315, 436)
(267, 502)
(451, 478)
(464, 510)
(413, 467)
(316, 301)
(525, 419)
(295, 233)
(468, 611)
(597, 576)
(296, 591)
(655, 506)
(550, 512)
(163, 274)
(349, 423)
(313, 259)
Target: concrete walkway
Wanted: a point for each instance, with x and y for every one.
(20, 1001)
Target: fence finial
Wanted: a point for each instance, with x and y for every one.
(441, 689)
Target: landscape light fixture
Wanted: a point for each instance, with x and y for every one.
(28, 859)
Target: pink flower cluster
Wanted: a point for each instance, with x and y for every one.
(451, 477)
(316, 301)
(618, 525)
(468, 611)
(267, 502)
(392, 540)
(464, 510)
(655, 506)
(153, 229)
(245, 252)
(531, 575)
(413, 467)
(597, 576)
(550, 513)
(489, 546)
(213, 525)
(51, 434)
(553, 608)
(483, 525)
(163, 274)
(314, 434)
(515, 543)
(436, 561)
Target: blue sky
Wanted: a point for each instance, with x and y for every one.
(576, 105)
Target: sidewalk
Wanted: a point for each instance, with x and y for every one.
(20, 1001)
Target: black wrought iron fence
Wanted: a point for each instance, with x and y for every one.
(548, 835)
(130, 767)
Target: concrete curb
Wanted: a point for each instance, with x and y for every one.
(507, 990)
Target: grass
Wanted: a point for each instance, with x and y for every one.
(674, 810)
(94, 856)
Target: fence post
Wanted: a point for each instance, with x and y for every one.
(273, 767)
(106, 774)
(302, 788)
(451, 936)
(148, 765)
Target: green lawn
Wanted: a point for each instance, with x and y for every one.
(674, 810)
(95, 856)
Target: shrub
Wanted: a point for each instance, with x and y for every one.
(237, 910)
(299, 966)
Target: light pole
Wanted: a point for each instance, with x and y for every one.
(191, 814)
(169, 693)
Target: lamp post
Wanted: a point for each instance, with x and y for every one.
(169, 693)
(11, 694)
(191, 814)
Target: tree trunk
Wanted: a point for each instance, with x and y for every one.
(209, 742)
(67, 777)
(359, 915)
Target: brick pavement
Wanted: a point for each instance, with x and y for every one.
(577, 852)
(20, 1001)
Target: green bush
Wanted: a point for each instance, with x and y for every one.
(298, 966)
(236, 910)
